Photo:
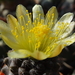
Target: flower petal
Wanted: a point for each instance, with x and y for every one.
(57, 50)
(10, 40)
(22, 53)
(38, 13)
(13, 24)
(3, 26)
(69, 40)
(18, 53)
(22, 15)
(12, 21)
(6, 35)
(39, 55)
(51, 17)
(69, 30)
(66, 18)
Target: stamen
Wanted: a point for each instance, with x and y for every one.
(26, 10)
(28, 21)
(23, 27)
(21, 17)
(27, 30)
(37, 45)
(16, 36)
(23, 31)
(26, 24)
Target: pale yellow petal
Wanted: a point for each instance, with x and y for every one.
(23, 15)
(13, 24)
(38, 13)
(10, 41)
(39, 55)
(57, 50)
(21, 53)
(69, 40)
(69, 30)
(3, 26)
(18, 53)
(66, 18)
(7, 36)
(12, 21)
(51, 17)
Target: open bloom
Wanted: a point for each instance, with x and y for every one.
(40, 38)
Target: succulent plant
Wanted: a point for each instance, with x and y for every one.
(38, 39)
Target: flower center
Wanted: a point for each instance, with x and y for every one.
(40, 30)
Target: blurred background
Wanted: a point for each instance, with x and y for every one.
(66, 59)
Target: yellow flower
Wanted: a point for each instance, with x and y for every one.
(40, 38)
